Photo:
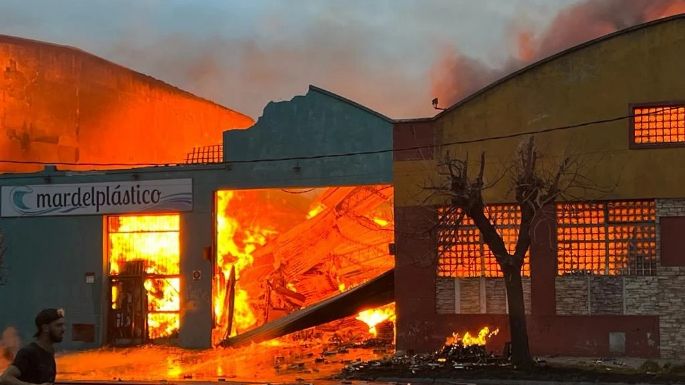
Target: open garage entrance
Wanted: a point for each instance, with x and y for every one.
(282, 250)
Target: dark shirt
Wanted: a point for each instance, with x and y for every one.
(35, 364)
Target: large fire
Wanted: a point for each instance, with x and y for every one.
(481, 338)
(148, 246)
(235, 245)
(279, 251)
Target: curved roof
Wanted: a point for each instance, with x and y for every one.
(552, 58)
(15, 40)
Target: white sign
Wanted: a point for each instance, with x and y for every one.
(97, 198)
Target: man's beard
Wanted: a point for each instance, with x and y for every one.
(54, 337)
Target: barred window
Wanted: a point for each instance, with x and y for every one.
(606, 238)
(653, 125)
(461, 249)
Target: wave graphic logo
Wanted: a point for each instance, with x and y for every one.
(18, 196)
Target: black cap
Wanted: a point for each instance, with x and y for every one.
(47, 316)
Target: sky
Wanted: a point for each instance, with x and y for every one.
(393, 56)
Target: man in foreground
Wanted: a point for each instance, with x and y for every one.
(35, 363)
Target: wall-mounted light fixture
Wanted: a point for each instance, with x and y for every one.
(435, 105)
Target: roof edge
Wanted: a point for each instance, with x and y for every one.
(554, 57)
(14, 39)
(351, 102)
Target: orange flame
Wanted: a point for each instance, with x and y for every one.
(468, 340)
(152, 240)
(235, 246)
(381, 222)
(162, 324)
(316, 210)
(373, 317)
(163, 294)
(115, 296)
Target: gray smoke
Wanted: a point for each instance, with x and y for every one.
(455, 76)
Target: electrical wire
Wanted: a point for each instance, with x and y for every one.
(349, 154)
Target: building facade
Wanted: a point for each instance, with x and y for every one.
(62, 104)
(58, 226)
(606, 269)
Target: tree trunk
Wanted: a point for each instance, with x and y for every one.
(520, 353)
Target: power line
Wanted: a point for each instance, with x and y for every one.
(371, 152)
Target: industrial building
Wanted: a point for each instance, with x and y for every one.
(62, 104)
(605, 274)
(321, 195)
(162, 253)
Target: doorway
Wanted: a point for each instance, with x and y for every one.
(143, 253)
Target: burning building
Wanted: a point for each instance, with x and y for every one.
(195, 254)
(605, 270)
(61, 104)
(311, 217)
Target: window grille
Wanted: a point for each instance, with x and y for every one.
(658, 124)
(606, 238)
(150, 242)
(461, 249)
(206, 154)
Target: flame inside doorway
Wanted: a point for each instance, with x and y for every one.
(144, 259)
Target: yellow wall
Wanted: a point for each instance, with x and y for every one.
(598, 81)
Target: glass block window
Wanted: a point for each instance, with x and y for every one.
(461, 250)
(606, 238)
(658, 124)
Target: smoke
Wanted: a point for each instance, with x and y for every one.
(343, 54)
(10, 342)
(388, 55)
(245, 75)
(591, 19)
(455, 76)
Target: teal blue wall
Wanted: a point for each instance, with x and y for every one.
(47, 257)
(45, 264)
(311, 125)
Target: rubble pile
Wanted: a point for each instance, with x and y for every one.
(452, 356)
(326, 353)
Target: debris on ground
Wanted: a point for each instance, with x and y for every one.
(455, 356)
(456, 361)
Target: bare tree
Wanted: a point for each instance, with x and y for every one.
(534, 187)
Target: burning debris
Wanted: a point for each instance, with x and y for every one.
(468, 340)
(378, 291)
(295, 250)
(288, 252)
(377, 317)
(460, 352)
(311, 354)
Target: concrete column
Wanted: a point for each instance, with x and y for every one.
(543, 262)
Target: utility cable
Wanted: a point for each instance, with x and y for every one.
(349, 154)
